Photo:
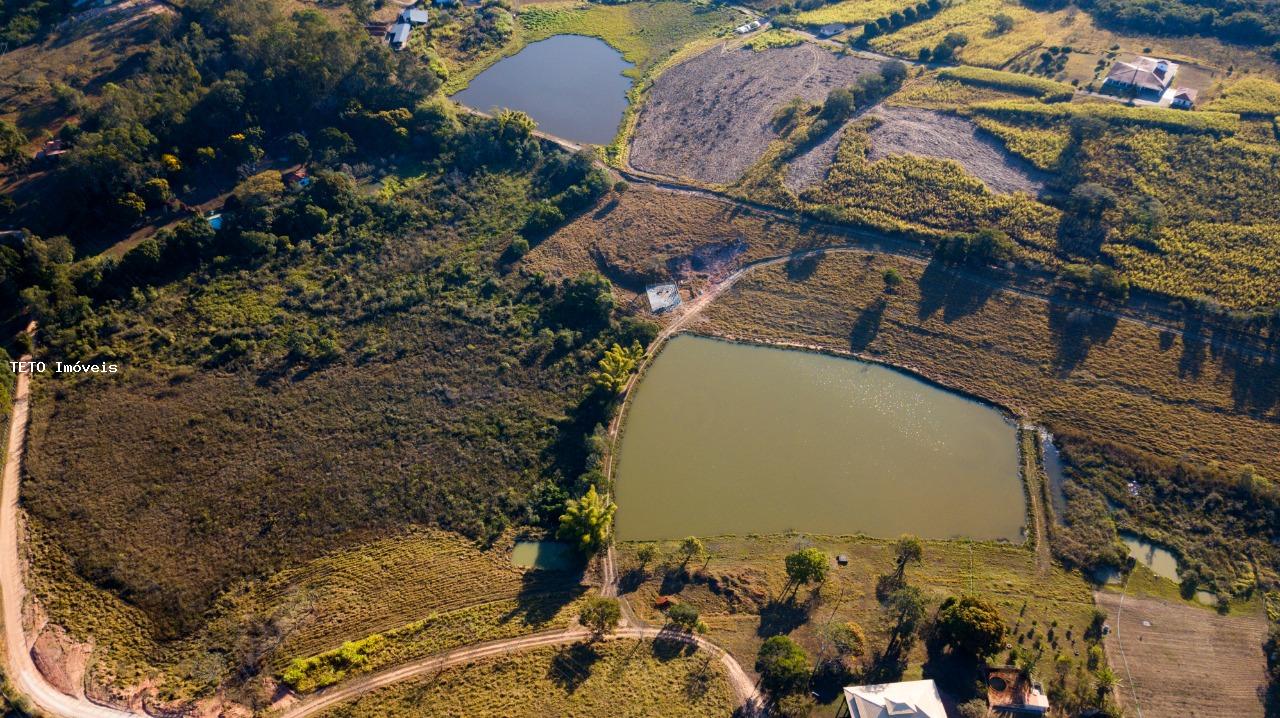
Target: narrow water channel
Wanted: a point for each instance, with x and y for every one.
(728, 438)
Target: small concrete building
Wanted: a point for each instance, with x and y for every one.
(1011, 692)
(414, 16)
(1184, 98)
(662, 297)
(831, 30)
(908, 699)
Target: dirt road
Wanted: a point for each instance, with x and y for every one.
(743, 687)
(19, 667)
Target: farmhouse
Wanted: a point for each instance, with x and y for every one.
(909, 699)
(1011, 692)
(1146, 78)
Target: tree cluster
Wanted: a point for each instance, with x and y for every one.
(899, 19)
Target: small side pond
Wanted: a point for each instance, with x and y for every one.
(571, 85)
(726, 438)
(545, 556)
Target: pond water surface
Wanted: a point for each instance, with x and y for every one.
(1160, 560)
(571, 85)
(544, 555)
(728, 438)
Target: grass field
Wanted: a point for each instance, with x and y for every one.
(1250, 96)
(613, 678)
(423, 592)
(1178, 659)
(851, 12)
(738, 592)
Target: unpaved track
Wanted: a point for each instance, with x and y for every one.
(19, 667)
(743, 687)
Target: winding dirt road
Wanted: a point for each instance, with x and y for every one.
(19, 667)
(743, 687)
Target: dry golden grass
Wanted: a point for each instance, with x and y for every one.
(614, 678)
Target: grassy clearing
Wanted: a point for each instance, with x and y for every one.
(1114, 381)
(973, 19)
(1249, 96)
(736, 588)
(437, 633)
(614, 678)
(1041, 147)
(1175, 656)
(1216, 123)
(851, 12)
(774, 38)
(1047, 90)
(909, 193)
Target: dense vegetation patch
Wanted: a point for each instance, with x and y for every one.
(1047, 90)
(1255, 22)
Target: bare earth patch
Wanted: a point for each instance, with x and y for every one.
(708, 119)
(811, 167)
(1179, 660)
(908, 130)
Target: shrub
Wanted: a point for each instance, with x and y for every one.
(783, 665)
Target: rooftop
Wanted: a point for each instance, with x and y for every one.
(908, 699)
(1145, 73)
(662, 297)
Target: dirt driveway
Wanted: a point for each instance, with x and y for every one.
(708, 119)
(1180, 661)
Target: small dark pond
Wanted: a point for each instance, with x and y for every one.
(571, 85)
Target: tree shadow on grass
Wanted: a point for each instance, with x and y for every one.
(781, 617)
(1074, 332)
(571, 666)
(830, 678)
(957, 676)
(632, 579)
(801, 268)
(942, 288)
(1191, 361)
(543, 594)
(867, 326)
(671, 644)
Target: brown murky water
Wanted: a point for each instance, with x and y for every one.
(733, 439)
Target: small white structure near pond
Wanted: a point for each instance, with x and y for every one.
(662, 297)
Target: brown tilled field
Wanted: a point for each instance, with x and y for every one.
(911, 131)
(1174, 659)
(708, 119)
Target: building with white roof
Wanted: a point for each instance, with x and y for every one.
(908, 699)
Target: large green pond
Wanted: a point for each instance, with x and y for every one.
(728, 438)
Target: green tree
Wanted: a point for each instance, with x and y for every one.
(783, 666)
(908, 550)
(587, 521)
(690, 548)
(848, 638)
(646, 553)
(684, 617)
(616, 366)
(806, 566)
(600, 615)
(892, 279)
(970, 626)
(12, 142)
(1003, 23)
